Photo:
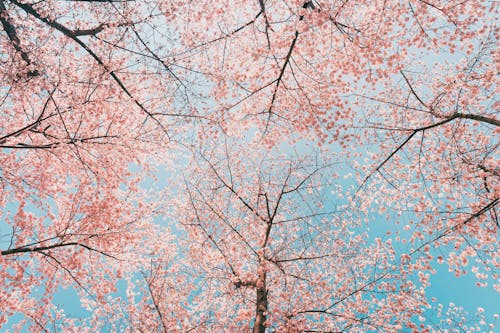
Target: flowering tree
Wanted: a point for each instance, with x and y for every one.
(270, 244)
(95, 94)
(71, 132)
(404, 89)
(269, 254)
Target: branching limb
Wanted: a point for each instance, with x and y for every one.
(73, 36)
(11, 32)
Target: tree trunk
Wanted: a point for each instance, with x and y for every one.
(261, 305)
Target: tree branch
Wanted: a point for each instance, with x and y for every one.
(11, 32)
(71, 35)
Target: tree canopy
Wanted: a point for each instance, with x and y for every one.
(260, 166)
